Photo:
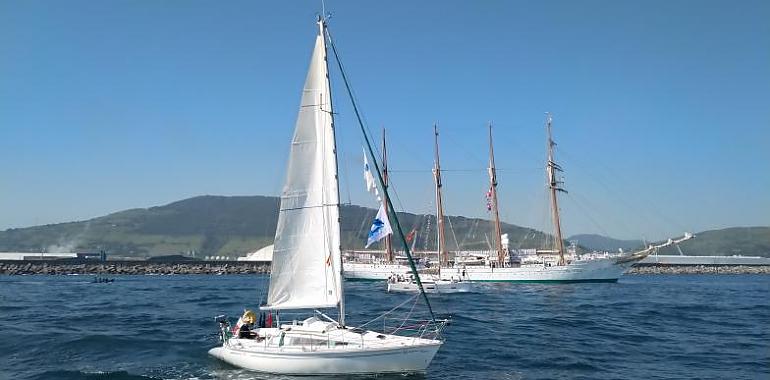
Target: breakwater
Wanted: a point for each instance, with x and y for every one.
(130, 267)
(699, 269)
(65, 267)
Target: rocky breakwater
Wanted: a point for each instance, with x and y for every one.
(129, 267)
(700, 269)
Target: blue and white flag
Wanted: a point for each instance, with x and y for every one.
(371, 186)
(380, 227)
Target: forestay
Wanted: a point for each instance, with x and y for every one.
(306, 268)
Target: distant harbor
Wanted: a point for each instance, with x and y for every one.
(67, 267)
(93, 267)
(698, 269)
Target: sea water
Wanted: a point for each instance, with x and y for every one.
(161, 327)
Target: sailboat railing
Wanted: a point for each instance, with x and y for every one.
(288, 341)
(414, 328)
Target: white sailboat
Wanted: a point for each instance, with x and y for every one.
(434, 283)
(307, 266)
(551, 265)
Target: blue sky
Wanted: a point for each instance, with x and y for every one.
(661, 108)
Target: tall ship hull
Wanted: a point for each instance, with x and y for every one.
(595, 270)
(585, 268)
(373, 271)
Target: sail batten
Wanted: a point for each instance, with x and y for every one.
(306, 263)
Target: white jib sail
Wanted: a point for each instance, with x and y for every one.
(306, 257)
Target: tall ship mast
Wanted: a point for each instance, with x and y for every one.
(554, 186)
(388, 239)
(440, 234)
(495, 210)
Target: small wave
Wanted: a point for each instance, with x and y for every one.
(96, 375)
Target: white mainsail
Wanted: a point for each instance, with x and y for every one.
(306, 268)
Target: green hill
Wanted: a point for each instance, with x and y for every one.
(746, 241)
(233, 226)
(227, 226)
(603, 243)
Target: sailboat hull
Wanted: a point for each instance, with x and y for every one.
(596, 270)
(391, 360)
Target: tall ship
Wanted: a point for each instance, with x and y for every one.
(306, 274)
(548, 265)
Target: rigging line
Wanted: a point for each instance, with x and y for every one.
(587, 173)
(364, 227)
(414, 297)
(586, 214)
(428, 193)
(363, 123)
(614, 221)
(454, 235)
(471, 155)
(408, 315)
(621, 179)
(545, 237)
(379, 173)
(468, 232)
(391, 186)
(442, 170)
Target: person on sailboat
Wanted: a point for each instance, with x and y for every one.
(243, 327)
(244, 332)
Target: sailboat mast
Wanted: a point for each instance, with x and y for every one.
(388, 239)
(441, 241)
(554, 185)
(322, 30)
(495, 210)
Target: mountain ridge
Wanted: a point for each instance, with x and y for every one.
(211, 225)
(225, 226)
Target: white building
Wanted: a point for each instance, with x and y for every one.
(264, 254)
(37, 255)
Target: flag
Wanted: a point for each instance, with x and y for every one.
(410, 235)
(380, 227)
(489, 199)
(371, 186)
